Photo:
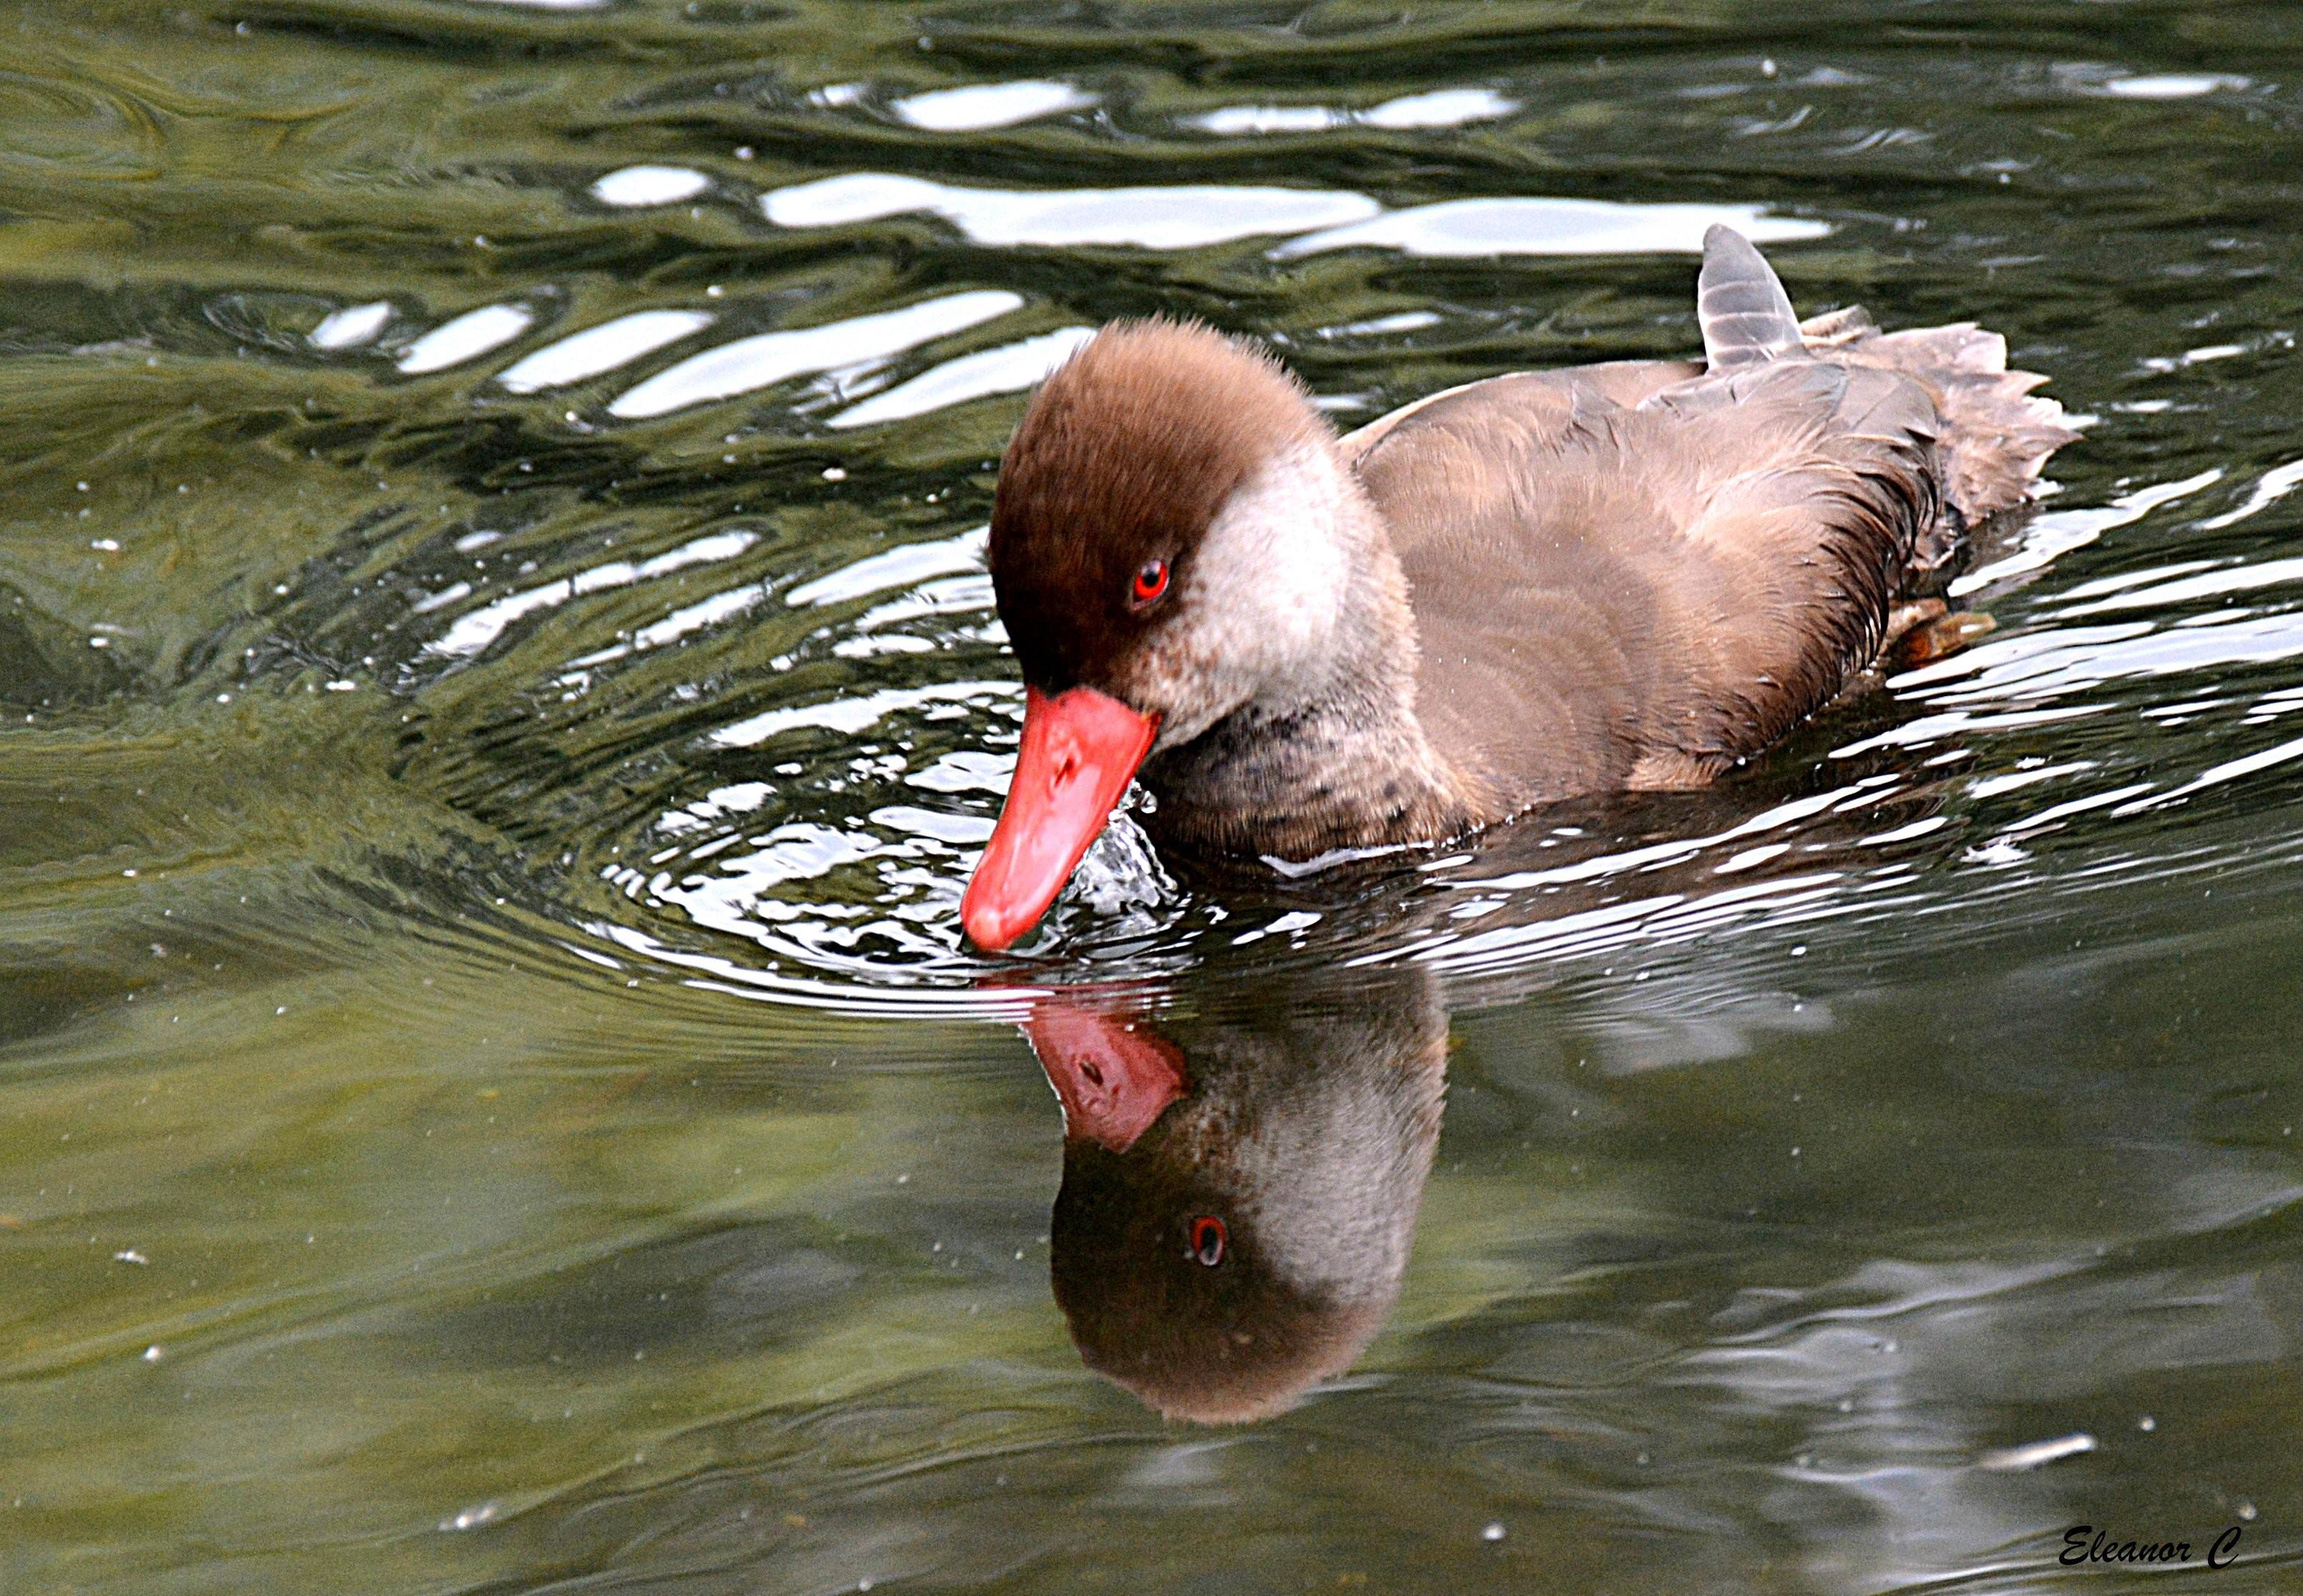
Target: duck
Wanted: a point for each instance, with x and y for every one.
(1619, 578)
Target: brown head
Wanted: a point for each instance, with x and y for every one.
(1171, 1293)
(1172, 538)
(1239, 1196)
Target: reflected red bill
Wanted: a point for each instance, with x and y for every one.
(1114, 1076)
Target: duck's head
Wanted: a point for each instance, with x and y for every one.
(1239, 1196)
(1173, 537)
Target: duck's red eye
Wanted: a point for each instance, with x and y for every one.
(1208, 1240)
(1150, 582)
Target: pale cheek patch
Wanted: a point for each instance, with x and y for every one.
(1267, 585)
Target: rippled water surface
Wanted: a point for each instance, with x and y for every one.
(499, 694)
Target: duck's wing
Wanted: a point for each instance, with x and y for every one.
(1636, 577)
(1621, 382)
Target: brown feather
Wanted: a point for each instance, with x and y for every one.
(1116, 463)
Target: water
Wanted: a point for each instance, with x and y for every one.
(500, 696)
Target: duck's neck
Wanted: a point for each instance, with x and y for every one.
(1331, 755)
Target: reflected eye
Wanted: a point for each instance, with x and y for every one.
(1150, 582)
(1208, 1240)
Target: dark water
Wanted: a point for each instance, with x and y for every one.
(498, 698)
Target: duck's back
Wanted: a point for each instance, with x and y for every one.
(1635, 574)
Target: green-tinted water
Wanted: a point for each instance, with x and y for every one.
(498, 697)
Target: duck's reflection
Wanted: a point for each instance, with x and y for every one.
(1239, 1193)
(1242, 1172)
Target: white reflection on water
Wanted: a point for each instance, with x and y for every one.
(900, 567)
(1677, 849)
(1189, 216)
(1404, 321)
(851, 715)
(1007, 369)
(472, 634)
(2230, 770)
(604, 348)
(2271, 486)
(910, 566)
(1483, 227)
(767, 358)
(2174, 86)
(689, 617)
(983, 105)
(726, 977)
(467, 338)
(2028, 773)
(2062, 660)
(2237, 579)
(1440, 108)
(1658, 918)
(2132, 578)
(1233, 120)
(1928, 730)
(635, 186)
(1182, 218)
(2051, 536)
(353, 326)
(966, 592)
(2036, 1454)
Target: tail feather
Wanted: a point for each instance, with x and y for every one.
(1992, 435)
(1996, 435)
(1746, 316)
